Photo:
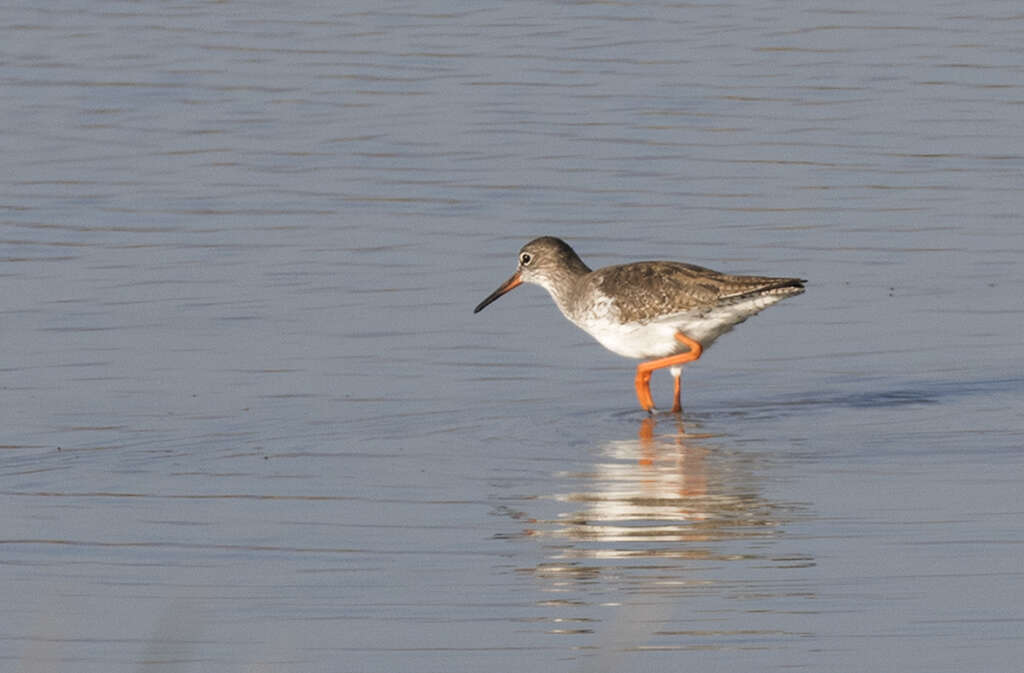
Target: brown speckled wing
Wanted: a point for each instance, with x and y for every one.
(645, 291)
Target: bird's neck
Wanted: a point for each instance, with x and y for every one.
(562, 284)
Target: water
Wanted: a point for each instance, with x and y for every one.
(249, 421)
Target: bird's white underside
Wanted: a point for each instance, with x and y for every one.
(656, 338)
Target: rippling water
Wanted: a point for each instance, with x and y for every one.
(249, 422)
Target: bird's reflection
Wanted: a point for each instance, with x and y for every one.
(657, 525)
(669, 496)
(657, 543)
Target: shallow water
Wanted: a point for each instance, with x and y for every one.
(249, 421)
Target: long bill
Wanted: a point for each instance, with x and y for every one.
(513, 282)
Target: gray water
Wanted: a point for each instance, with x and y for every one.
(250, 423)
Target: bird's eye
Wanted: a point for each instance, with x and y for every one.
(525, 258)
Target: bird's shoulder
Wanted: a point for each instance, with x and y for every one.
(641, 291)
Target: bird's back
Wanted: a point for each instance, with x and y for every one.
(649, 291)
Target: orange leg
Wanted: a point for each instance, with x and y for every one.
(644, 369)
(677, 405)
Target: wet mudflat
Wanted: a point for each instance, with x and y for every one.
(249, 421)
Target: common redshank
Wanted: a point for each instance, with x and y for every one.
(665, 313)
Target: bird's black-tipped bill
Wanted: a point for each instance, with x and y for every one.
(513, 282)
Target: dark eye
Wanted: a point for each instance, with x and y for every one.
(525, 258)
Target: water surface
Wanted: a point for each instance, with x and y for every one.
(249, 421)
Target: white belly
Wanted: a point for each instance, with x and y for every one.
(635, 340)
(656, 339)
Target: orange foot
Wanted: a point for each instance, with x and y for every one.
(644, 370)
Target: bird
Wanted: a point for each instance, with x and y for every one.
(663, 313)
